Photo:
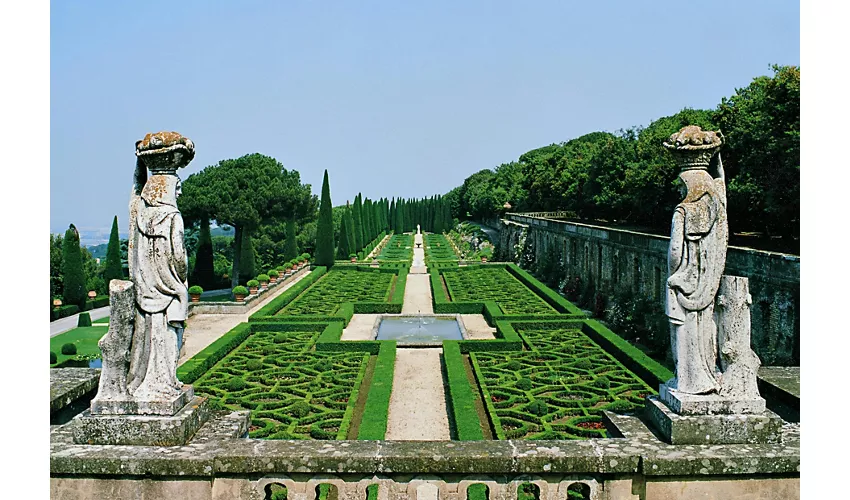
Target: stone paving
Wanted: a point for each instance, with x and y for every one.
(360, 327)
(203, 329)
(477, 327)
(418, 402)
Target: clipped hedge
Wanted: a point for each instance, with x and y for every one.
(193, 368)
(329, 341)
(374, 422)
(99, 301)
(63, 312)
(651, 371)
(461, 396)
(550, 296)
(282, 300)
(84, 319)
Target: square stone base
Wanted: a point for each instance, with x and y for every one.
(713, 429)
(142, 430)
(710, 404)
(134, 407)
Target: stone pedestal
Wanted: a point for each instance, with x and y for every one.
(753, 428)
(710, 404)
(142, 430)
(128, 406)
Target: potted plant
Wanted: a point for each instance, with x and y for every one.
(353, 257)
(273, 274)
(290, 268)
(195, 292)
(253, 284)
(305, 258)
(57, 302)
(484, 258)
(264, 280)
(240, 292)
(92, 294)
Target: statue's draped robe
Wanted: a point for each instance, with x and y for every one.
(696, 259)
(158, 265)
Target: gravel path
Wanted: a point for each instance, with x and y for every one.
(417, 295)
(418, 401)
(204, 329)
(477, 327)
(360, 327)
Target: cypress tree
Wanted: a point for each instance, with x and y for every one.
(350, 223)
(204, 271)
(368, 226)
(247, 263)
(72, 269)
(113, 269)
(391, 219)
(342, 249)
(325, 228)
(290, 242)
(358, 225)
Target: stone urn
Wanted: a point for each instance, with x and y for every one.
(253, 290)
(272, 279)
(240, 297)
(92, 294)
(484, 259)
(264, 284)
(196, 297)
(57, 302)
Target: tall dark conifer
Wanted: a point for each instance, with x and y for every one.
(290, 242)
(203, 274)
(74, 279)
(113, 270)
(325, 228)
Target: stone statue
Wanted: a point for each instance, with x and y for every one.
(709, 313)
(140, 351)
(696, 259)
(158, 265)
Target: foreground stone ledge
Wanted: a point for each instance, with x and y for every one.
(217, 450)
(69, 384)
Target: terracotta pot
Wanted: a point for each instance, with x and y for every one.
(483, 259)
(272, 279)
(196, 297)
(354, 259)
(264, 284)
(240, 298)
(253, 290)
(92, 294)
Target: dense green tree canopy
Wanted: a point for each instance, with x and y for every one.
(245, 193)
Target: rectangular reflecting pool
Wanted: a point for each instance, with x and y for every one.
(419, 329)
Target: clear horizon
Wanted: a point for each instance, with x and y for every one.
(393, 100)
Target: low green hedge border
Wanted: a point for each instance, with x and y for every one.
(488, 401)
(193, 368)
(461, 397)
(550, 296)
(348, 417)
(63, 312)
(282, 300)
(329, 341)
(651, 371)
(374, 422)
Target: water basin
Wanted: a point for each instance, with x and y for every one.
(419, 329)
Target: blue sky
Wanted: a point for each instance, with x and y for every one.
(392, 98)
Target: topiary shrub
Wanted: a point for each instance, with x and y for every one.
(52, 358)
(84, 319)
(254, 364)
(602, 382)
(240, 290)
(69, 349)
(584, 364)
(236, 384)
(263, 277)
(195, 290)
(273, 273)
(537, 407)
(268, 349)
(280, 338)
(523, 384)
(300, 409)
(253, 283)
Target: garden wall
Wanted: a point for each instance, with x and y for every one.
(612, 260)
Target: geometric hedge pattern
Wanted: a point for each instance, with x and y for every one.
(338, 286)
(292, 392)
(558, 388)
(496, 284)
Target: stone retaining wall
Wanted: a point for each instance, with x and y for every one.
(218, 464)
(616, 259)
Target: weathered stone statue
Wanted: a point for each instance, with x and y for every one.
(696, 259)
(713, 397)
(158, 265)
(139, 399)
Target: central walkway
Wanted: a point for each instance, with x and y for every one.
(418, 401)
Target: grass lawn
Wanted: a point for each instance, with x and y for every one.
(101, 320)
(85, 339)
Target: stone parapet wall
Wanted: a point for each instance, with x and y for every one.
(616, 259)
(231, 307)
(218, 464)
